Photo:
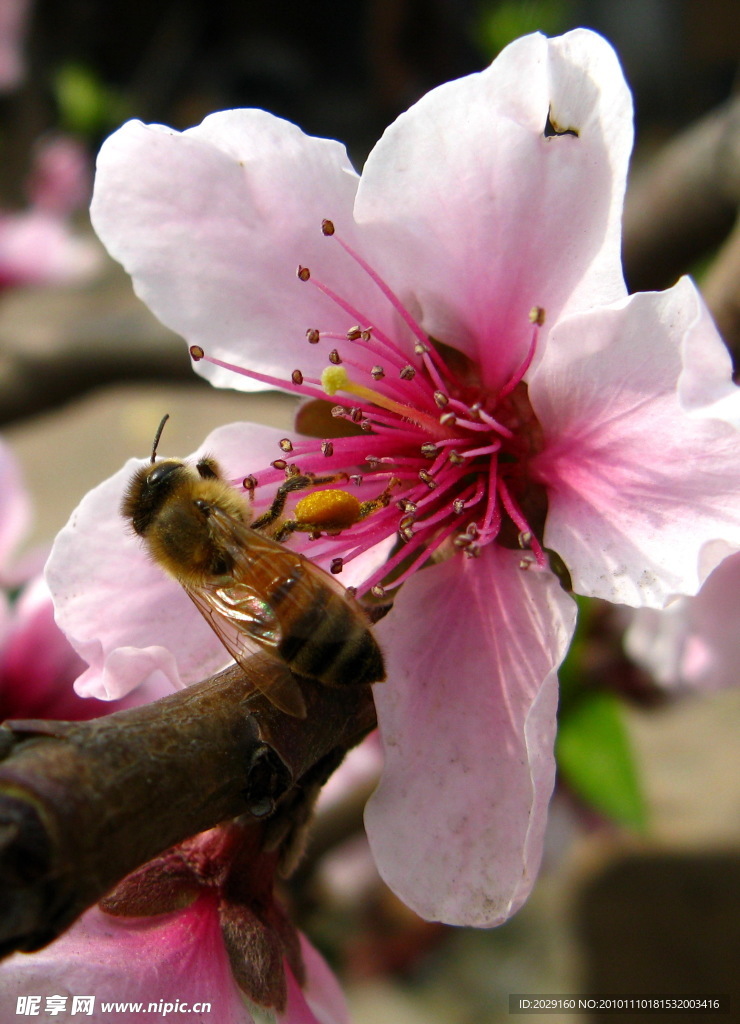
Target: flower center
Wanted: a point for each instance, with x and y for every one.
(456, 453)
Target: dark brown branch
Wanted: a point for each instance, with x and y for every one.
(721, 289)
(84, 804)
(683, 202)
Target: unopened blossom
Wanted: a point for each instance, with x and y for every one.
(462, 306)
(39, 245)
(60, 180)
(177, 958)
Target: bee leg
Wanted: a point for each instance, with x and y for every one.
(383, 500)
(297, 482)
(291, 526)
(294, 483)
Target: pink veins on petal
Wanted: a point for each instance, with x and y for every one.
(452, 454)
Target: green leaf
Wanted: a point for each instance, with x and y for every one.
(595, 759)
(501, 22)
(86, 104)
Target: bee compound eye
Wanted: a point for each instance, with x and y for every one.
(161, 472)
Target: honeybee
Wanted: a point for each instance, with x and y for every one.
(254, 592)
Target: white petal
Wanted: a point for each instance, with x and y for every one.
(212, 224)
(467, 719)
(483, 217)
(639, 486)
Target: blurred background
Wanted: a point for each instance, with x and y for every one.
(647, 903)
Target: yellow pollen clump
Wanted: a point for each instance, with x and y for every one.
(328, 510)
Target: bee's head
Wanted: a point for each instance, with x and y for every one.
(152, 484)
(148, 490)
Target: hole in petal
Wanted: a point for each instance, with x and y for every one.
(553, 128)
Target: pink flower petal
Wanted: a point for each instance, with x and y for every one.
(127, 619)
(322, 1000)
(168, 958)
(638, 486)
(38, 665)
(484, 217)
(694, 642)
(37, 247)
(467, 718)
(212, 228)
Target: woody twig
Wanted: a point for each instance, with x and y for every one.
(83, 804)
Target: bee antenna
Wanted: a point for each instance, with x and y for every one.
(157, 436)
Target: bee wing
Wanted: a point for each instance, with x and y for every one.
(270, 675)
(295, 608)
(278, 579)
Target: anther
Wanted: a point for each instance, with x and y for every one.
(367, 334)
(356, 479)
(406, 533)
(427, 479)
(337, 564)
(407, 373)
(420, 348)
(196, 353)
(335, 358)
(527, 562)
(327, 227)
(447, 419)
(304, 274)
(297, 377)
(373, 461)
(467, 539)
(525, 538)
(377, 373)
(279, 464)
(406, 505)
(338, 411)
(367, 426)
(286, 445)
(537, 315)
(455, 458)
(378, 591)
(406, 524)
(429, 450)
(441, 399)
(354, 333)
(249, 483)
(327, 448)
(458, 506)
(313, 336)
(355, 414)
